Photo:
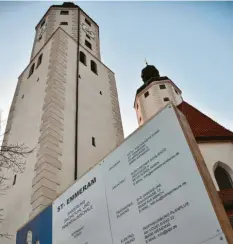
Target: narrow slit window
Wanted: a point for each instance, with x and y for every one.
(146, 94)
(64, 23)
(100, 92)
(88, 22)
(162, 86)
(93, 142)
(83, 58)
(14, 181)
(31, 70)
(42, 23)
(64, 12)
(166, 99)
(39, 60)
(88, 44)
(94, 67)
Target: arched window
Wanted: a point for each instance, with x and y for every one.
(93, 67)
(223, 178)
(39, 60)
(29, 237)
(82, 57)
(31, 70)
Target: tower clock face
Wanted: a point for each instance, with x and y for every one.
(88, 31)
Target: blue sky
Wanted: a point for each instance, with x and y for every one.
(190, 42)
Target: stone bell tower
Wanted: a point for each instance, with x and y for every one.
(66, 107)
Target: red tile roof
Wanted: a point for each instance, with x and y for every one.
(229, 213)
(203, 127)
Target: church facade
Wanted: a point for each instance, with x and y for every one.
(215, 142)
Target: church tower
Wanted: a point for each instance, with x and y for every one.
(154, 94)
(66, 107)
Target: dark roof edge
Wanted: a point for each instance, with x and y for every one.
(213, 138)
(61, 6)
(154, 79)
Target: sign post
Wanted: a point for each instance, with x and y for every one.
(210, 188)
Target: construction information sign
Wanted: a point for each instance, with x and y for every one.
(148, 190)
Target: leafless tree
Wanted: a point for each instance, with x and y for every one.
(12, 162)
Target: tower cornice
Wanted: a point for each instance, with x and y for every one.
(67, 7)
(157, 80)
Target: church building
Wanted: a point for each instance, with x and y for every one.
(215, 142)
(66, 108)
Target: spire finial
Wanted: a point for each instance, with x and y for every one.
(146, 61)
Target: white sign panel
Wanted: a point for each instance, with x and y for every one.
(148, 190)
(80, 214)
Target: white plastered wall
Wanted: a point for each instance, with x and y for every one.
(52, 21)
(25, 127)
(98, 116)
(95, 115)
(94, 42)
(214, 152)
(146, 107)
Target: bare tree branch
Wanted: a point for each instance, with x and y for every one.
(12, 160)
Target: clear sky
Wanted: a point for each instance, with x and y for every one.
(190, 42)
